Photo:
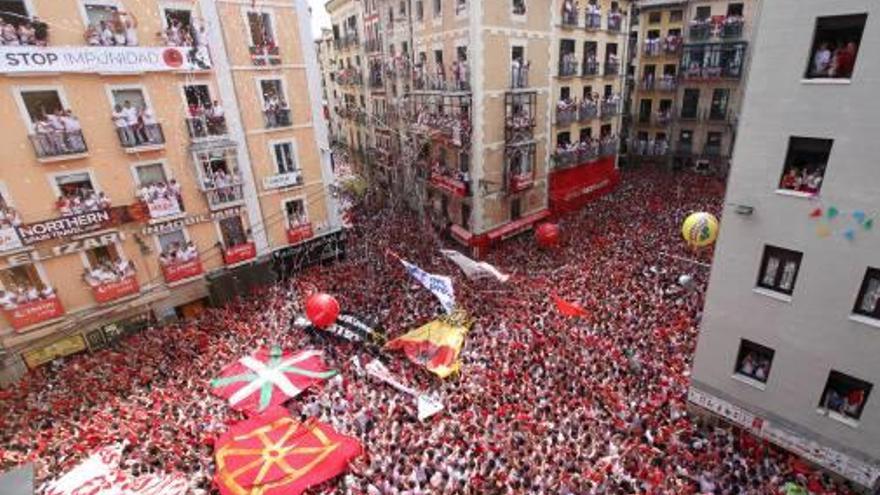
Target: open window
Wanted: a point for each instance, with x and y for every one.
(21, 285)
(134, 120)
(836, 43)
(108, 24)
(295, 212)
(106, 265)
(77, 194)
(221, 178)
(753, 361)
(263, 41)
(805, 164)
(206, 117)
(518, 7)
(176, 249)
(844, 397)
(56, 130)
(285, 157)
(868, 299)
(26, 29)
(232, 232)
(276, 110)
(161, 195)
(779, 269)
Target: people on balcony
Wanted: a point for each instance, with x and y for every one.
(276, 110)
(177, 253)
(19, 295)
(81, 200)
(611, 104)
(615, 19)
(108, 272)
(593, 16)
(569, 153)
(568, 64)
(223, 184)
(588, 108)
(802, 180)
(566, 111)
(154, 192)
(569, 13)
(591, 64)
(653, 46)
(519, 73)
(120, 30)
(58, 133)
(460, 75)
(442, 170)
(671, 43)
(207, 118)
(136, 125)
(30, 32)
(186, 35)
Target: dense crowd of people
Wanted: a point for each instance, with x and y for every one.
(544, 404)
(58, 132)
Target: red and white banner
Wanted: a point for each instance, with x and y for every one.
(299, 233)
(181, 270)
(102, 59)
(100, 475)
(31, 313)
(572, 188)
(163, 207)
(242, 252)
(110, 291)
(448, 184)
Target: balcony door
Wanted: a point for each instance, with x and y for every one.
(718, 109)
(690, 103)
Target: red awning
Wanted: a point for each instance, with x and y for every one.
(513, 228)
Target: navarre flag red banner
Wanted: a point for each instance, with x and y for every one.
(100, 475)
(568, 308)
(435, 345)
(269, 377)
(274, 454)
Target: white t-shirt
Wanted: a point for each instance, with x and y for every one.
(130, 115)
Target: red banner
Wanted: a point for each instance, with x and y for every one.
(448, 184)
(520, 182)
(242, 252)
(572, 188)
(175, 272)
(299, 233)
(31, 313)
(517, 227)
(110, 291)
(274, 454)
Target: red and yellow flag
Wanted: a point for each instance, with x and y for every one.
(274, 454)
(436, 345)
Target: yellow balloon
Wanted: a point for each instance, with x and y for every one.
(700, 229)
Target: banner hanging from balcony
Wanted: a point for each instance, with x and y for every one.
(102, 59)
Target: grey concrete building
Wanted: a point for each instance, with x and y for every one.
(790, 338)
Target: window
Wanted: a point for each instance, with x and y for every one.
(713, 143)
(135, 123)
(21, 279)
(420, 10)
(676, 16)
(779, 269)
(173, 247)
(285, 157)
(734, 10)
(718, 109)
(162, 197)
(704, 12)
(106, 265)
(585, 135)
(754, 361)
(563, 138)
(835, 46)
(519, 7)
(844, 396)
(296, 213)
(77, 194)
(99, 12)
(868, 300)
(654, 17)
(565, 93)
(645, 111)
(178, 17)
(261, 31)
(466, 216)
(515, 209)
(438, 8)
(42, 104)
(690, 103)
(205, 117)
(805, 164)
(276, 111)
(232, 231)
(685, 141)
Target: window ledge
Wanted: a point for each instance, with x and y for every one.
(749, 381)
(772, 294)
(145, 148)
(796, 194)
(827, 80)
(865, 320)
(840, 418)
(63, 158)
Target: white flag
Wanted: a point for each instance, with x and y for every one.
(428, 406)
(473, 269)
(439, 285)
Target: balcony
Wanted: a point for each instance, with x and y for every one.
(587, 110)
(24, 315)
(566, 113)
(347, 40)
(350, 77)
(614, 21)
(109, 291)
(265, 55)
(662, 118)
(575, 154)
(689, 114)
(700, 30)
(140, 138)
(373, 45)
(202, 127)
(718, 116)
(178, 270)
(649, 147)
(712, 150)
(611, 107)
(376, 81)
(55, 146)
(454, 184)
(519, 77)
(652, 47)
(223, 193)
(299, 233)
(608, 146)
(696, 72)
(612, 68)
(234, 255)
(567, 68)
(570, 17)
(684, 148)
(590, 68)
(666, 83)
(731, 28)
(521, 182)
(592, 19)
(277, 117)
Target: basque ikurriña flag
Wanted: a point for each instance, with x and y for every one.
(269, 377)
(274, 454)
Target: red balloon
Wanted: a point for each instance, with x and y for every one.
(547, 235)
(322, 309)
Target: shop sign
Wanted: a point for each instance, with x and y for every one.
(57, 349)
(64, 249)
(164, 228)
(74, 225)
